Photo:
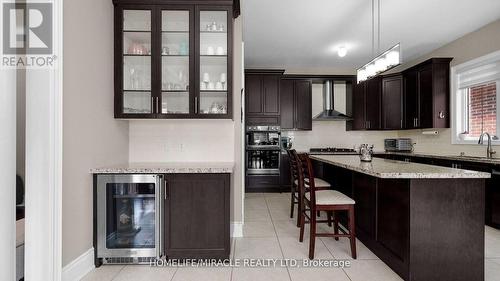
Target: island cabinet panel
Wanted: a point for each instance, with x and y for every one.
(197, 216)
(365, 194)
(460, 244)
(393, 198)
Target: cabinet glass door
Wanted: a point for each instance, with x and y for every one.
(175, 61)
(213, 86)
(137, 62)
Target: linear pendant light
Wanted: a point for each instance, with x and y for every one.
(383, 62)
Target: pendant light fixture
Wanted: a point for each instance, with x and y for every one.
(384, 61)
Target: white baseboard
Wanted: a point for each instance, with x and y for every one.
(82, 265)
(236, 229)
(79, 267)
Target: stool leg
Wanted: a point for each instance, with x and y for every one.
(336, 225)
(312, 235)
(319, 214)
(292, 201)
(352, 231)
(329, 216)
(300, 208)
(302, 222)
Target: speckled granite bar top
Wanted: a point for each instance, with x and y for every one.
(466, 158)
(168, 168)
(386, 168)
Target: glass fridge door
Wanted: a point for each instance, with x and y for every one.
(129, 215)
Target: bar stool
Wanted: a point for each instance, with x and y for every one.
(294, 171)
(314, 200)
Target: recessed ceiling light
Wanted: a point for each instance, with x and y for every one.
(342, 51)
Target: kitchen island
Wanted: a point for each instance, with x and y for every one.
(426, 222)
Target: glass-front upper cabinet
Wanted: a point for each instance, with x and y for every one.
(176, 59)
(173, 61)
(214, 81)
(136, 58)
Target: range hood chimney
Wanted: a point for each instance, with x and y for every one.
(329, 113)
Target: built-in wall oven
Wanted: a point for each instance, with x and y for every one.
(263, 149)
(128, 218)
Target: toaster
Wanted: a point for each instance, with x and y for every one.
(399, 144)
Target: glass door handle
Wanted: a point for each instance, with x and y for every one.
(152, 104)
(157, 105)
(195, 104)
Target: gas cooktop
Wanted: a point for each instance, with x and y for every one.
(333, 150)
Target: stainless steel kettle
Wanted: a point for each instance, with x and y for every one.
(366, 152)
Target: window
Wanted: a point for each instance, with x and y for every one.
(475, 99)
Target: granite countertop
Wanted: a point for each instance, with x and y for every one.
(168, 168)
(467, 158)
(386, 168)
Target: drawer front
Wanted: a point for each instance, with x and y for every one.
(263, 181)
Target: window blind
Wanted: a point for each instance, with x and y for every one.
(479, 73)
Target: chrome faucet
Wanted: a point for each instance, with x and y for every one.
(489, 149)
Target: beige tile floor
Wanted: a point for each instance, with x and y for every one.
(270, 233)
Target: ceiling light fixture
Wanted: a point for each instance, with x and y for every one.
(383, 62)
(342, 51)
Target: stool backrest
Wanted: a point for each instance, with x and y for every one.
(294, 169)
(306, 173)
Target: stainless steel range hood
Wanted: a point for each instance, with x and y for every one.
(329, 113)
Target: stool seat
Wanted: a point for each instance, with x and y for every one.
(331, 197)
(319, 183)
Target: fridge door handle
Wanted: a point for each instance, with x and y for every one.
(159, 224)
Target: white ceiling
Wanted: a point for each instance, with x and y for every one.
(296, 34)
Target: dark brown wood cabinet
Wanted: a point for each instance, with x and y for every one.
(358, 107)
(365, 194)
(372, 109)
(296, 104)
(427, 94)
(392, 102)
(173, 60)
(262, 96)
(197, 209)
(285, 173)
(366, 105)
(392, 211)
(418, 97)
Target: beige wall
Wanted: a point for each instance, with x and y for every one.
(91, 136)
(478, 43)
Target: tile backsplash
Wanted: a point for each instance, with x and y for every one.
(181, 141)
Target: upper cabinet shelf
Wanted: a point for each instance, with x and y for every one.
(173, 61)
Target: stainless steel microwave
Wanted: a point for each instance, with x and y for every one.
(399, 144)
